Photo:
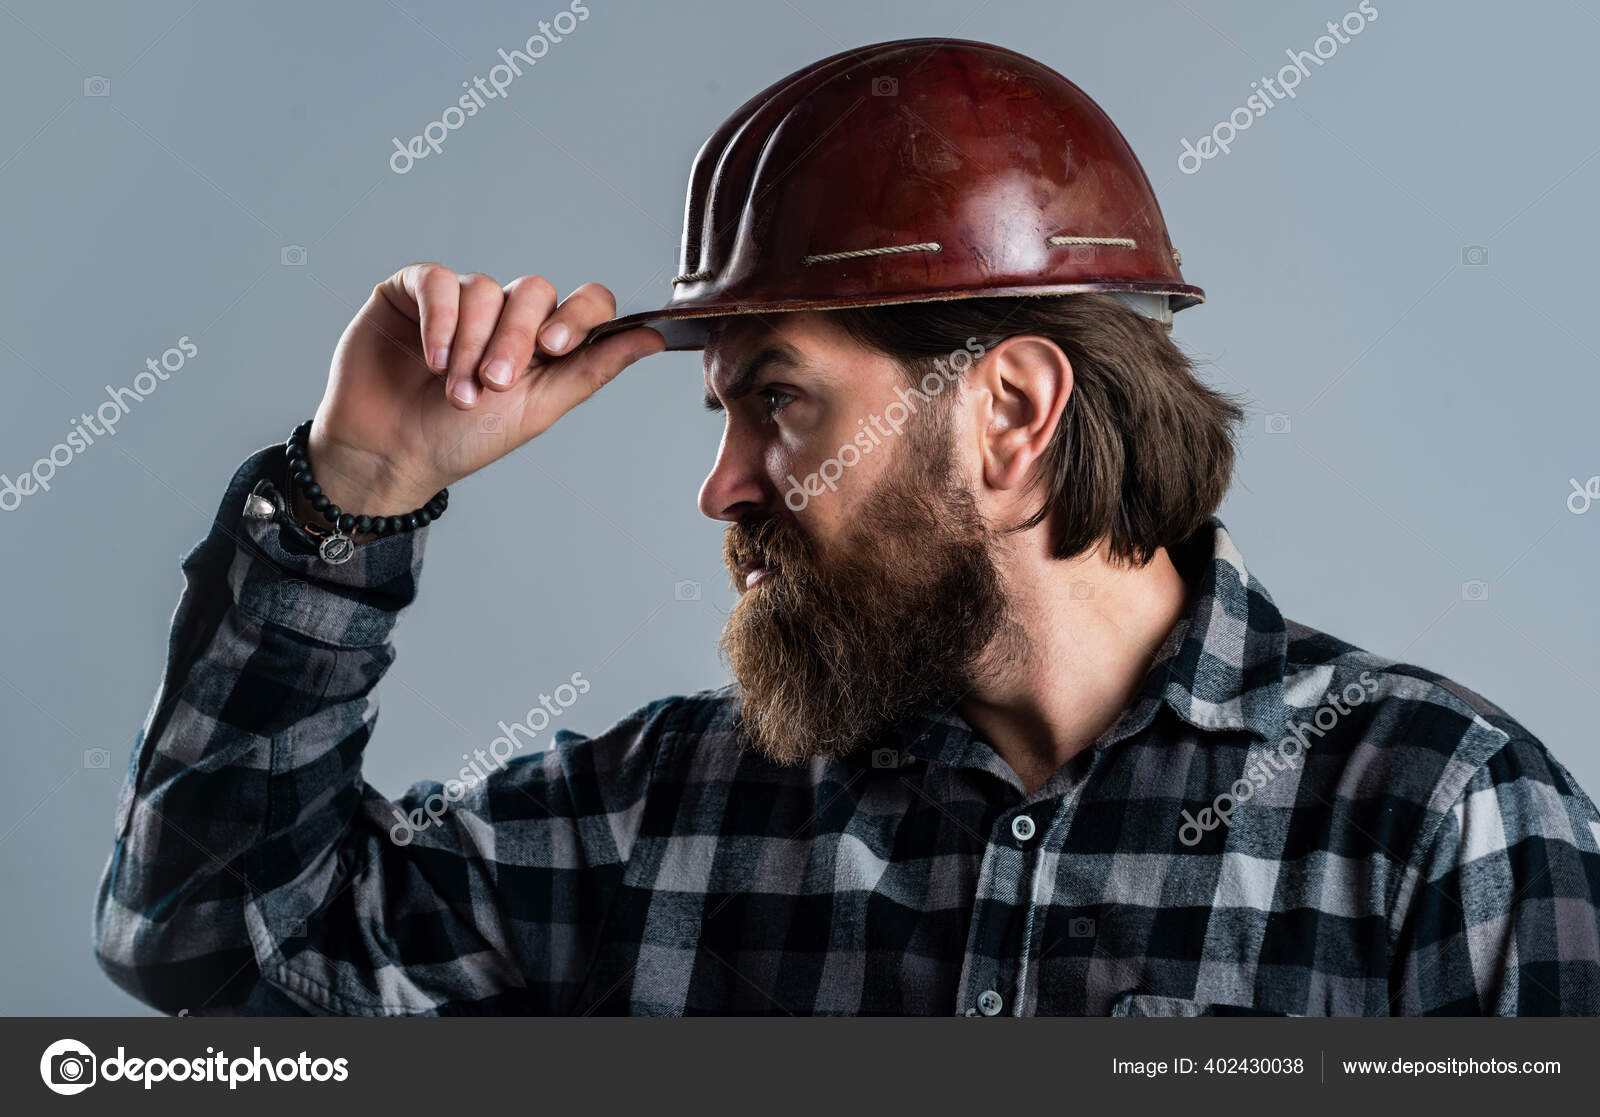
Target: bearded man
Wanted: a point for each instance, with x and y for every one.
(1012, 730)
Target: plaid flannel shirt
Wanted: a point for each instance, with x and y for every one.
(1279, 823)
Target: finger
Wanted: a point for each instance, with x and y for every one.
(578, 313)
(429, 294)
(580, 376)
(481, 300)
(529, 300)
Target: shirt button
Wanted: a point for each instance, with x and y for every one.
(989, 1002)
(1022, 828)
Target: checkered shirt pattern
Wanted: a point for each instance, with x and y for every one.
(1279, 823)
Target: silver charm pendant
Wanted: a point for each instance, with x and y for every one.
(258, 507)
(337, 548)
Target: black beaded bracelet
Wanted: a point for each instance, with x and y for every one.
(338, 547)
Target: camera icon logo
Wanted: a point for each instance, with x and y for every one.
(1081, 928)
(885, 87)
(1474, 254)
(1474, 591)
(96, 758)
(1277, 423)
(886, 758)
(97, 86)
(67, 1067)
(686, 591)
(1082, 590)
(292, 255)
(491, 423)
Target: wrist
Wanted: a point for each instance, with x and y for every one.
(359, 477)
(361, 483)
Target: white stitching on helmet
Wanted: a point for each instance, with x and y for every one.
(926, 246)
(1119, 242)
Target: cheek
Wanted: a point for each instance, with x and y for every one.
(841, 464)
(827, 500)
(782, 458)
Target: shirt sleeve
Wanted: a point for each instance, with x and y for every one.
(1503, 917)
(253, 866)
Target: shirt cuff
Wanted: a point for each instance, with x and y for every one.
(278, 578)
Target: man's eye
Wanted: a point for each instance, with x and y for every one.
(776, 399)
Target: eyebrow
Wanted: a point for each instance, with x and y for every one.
(744, 381)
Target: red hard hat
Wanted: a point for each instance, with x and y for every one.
(912, 171)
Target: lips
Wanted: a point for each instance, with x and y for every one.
(756, 549)
(754, 573)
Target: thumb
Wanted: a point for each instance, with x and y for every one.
(586, 371)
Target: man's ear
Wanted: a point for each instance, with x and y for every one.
(1023, 384)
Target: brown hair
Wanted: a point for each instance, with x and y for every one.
(1144, 451)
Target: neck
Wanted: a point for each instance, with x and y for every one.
(1082, 636)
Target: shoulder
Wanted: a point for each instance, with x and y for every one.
(1409, 690)
(664, 727)
(1405, 742)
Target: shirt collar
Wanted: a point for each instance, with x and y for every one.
(1220, 669)
(1226, 671)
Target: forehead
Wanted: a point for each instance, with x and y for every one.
(805, 343)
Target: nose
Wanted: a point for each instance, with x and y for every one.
(735, 486)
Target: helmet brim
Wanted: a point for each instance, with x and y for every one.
(687, 326)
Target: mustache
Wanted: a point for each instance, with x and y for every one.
(763, 539)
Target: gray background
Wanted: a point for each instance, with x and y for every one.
(1436, 408)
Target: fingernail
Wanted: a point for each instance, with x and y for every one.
(441, 357)
(556, 336)
(466, 392)
(499, 371)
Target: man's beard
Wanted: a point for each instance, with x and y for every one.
(830, 652)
